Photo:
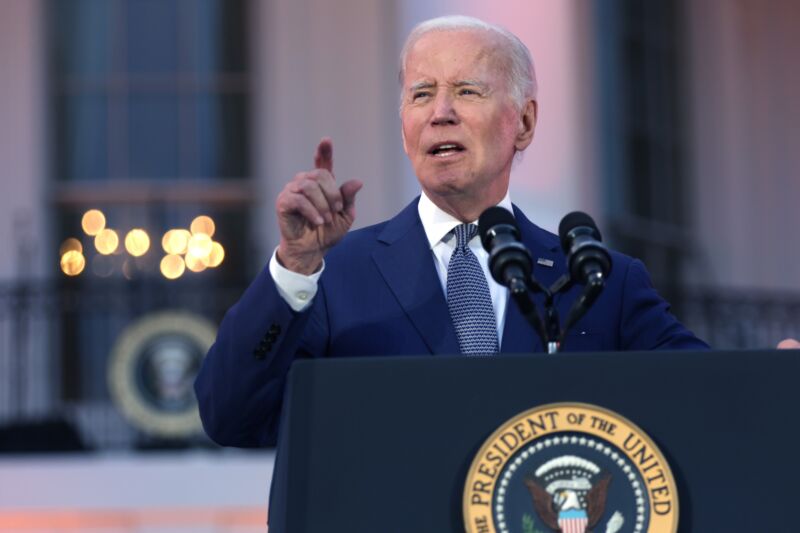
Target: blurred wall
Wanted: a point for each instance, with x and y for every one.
(22, 142)
(744, 128)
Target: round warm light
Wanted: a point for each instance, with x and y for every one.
(69, 245)
(106, 241)
(216, 256)
(200, 245)
(194, 263)
(137, 242)
(172, 266)
(203, 224)
(175, 241)
(72, 263)
(93, 221)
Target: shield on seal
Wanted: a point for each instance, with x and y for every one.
(573, 521)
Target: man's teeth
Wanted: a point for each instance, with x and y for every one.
(446, 149)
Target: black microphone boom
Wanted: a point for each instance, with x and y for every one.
(581, 242)
(509, 261)
(588, 262)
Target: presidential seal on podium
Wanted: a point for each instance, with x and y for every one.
(570, 468)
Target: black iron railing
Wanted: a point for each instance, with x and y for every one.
(56, 341)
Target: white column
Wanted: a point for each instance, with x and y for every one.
(25, 248)
(326, 69)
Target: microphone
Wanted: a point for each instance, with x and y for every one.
(588, 260)
(509, 260)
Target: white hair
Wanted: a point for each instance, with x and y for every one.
(520, 70)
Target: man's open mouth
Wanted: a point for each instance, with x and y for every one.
(445, 149)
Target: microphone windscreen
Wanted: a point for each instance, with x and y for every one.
(574, 220)
(492, 217)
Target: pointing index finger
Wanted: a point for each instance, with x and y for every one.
(324, 156)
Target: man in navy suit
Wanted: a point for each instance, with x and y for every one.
(468, 107)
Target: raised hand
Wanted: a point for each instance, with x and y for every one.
(314, 213)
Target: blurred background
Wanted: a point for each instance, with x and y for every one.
(143, 143)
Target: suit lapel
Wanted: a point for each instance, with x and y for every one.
(406, 264)
(518, 335)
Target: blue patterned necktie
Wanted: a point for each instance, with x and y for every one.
(468, 297)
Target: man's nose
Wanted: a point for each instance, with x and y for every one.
(443, 111)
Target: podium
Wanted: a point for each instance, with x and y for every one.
(385, 444)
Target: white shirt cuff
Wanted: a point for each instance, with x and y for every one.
(297, 290)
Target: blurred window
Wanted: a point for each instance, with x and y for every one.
(150, 89)
(149, 111)
(641, 75)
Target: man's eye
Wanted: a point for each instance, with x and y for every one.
(420, 94)
(469, 92)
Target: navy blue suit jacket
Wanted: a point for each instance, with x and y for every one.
(380, 295)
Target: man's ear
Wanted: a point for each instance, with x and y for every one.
(403, 135)
(527, 125)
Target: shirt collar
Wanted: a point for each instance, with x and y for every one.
(438, 223)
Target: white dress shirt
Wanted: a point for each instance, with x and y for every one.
(299, 290)
(438, 225)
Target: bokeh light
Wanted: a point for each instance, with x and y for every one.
(175, 241)
(137, 242)
(71, 244)
(200, 246)
(72, 263)
(216, 256)
(172, 266)
(203, 224)
(195, 264)
(93, 221)
(106, 241)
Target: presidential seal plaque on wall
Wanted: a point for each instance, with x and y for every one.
(570, 468)
(152, 368)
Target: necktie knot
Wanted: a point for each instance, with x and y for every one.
(464, 233)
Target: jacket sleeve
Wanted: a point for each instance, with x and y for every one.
(646, 322)
(240, 384)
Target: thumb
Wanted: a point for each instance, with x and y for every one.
(349, 190)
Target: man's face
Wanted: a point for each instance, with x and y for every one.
(461, 128)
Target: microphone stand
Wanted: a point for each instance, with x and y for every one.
(594, 286)
(553, 328)
(549, 330)
(519, 292)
